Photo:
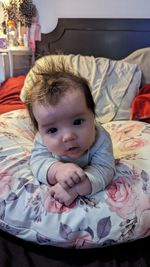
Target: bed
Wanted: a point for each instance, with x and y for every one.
(110, 228)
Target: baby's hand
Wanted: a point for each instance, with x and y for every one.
(63, 196)
(68, 174)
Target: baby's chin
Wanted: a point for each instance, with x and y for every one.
(74, 154)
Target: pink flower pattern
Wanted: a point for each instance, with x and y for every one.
(121, 198)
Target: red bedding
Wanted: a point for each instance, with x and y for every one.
(141, 105)
(9, 94)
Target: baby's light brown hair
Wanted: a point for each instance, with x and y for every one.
(50, 86)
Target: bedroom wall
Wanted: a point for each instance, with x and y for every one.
(51, 10)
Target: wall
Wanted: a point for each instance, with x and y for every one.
(51, 10)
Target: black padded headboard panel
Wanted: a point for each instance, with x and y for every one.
(113, 38)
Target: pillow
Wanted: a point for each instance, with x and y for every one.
(142, 58)
(116, 215)
(110, 81)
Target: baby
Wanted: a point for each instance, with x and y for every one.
(71, 152)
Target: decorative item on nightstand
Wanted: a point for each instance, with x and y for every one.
(3, 41)
(25, 40)
(22, 13)
(12, 34)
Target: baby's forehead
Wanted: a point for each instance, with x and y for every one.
(68, 108)
(74, 92)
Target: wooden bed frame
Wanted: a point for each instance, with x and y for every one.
(112, 38)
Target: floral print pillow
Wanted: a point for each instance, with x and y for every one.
(118, 214)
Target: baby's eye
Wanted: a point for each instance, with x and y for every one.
(78, 121)
(52, 130)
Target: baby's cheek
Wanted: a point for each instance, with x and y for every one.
(53, 146)
(48, 142)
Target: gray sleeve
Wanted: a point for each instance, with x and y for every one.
(101, 168)
(40, 160)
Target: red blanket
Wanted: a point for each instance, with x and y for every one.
(9, 94)
(141, 105)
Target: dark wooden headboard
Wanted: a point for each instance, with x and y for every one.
(112, 38)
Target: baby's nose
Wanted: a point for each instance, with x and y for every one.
(68, 136)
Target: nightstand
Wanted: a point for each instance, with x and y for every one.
(17, 59)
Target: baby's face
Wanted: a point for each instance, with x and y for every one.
(68, 128)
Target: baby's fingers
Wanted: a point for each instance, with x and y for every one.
(55, 196)
(73, 180)
(52, 192)
(81, 174)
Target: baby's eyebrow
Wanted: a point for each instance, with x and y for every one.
(50, 124)
(80, 114)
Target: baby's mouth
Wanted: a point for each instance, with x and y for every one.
(72, 150)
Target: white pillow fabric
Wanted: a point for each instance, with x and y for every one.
(114, 84)
(142, 58)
